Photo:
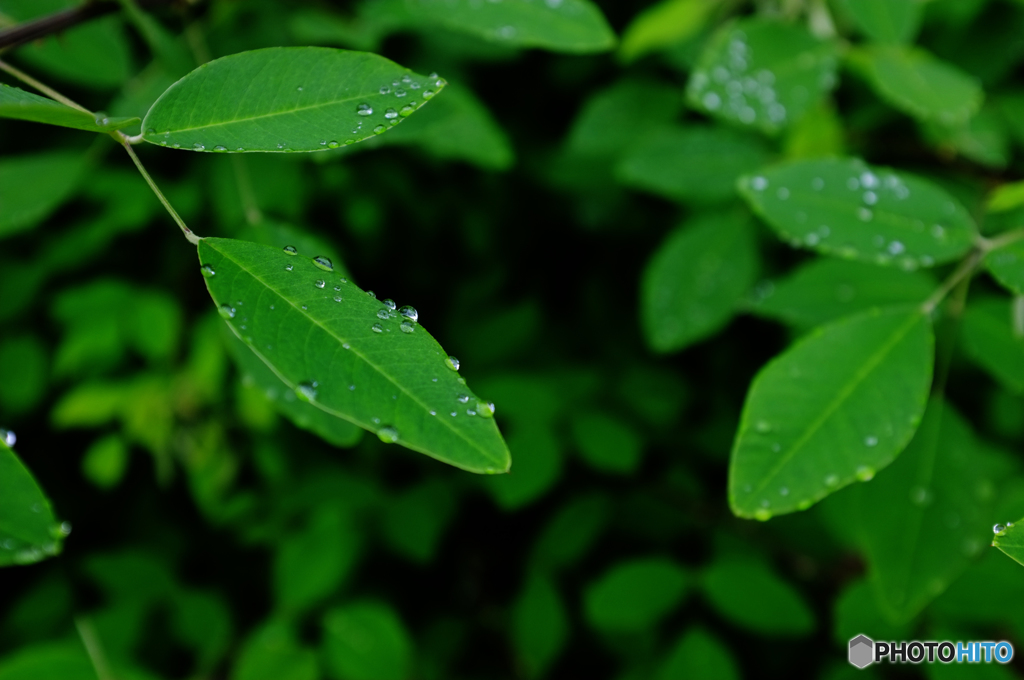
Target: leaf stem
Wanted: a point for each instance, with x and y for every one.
(93, 648)
(48, 91)
(986, 245)
(965, 270)
(192, 238)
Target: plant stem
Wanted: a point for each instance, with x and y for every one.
(91, 641)
(49, 92)
(989, 244)
(192, 238)
(965, 270)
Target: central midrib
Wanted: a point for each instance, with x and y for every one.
(377, 368)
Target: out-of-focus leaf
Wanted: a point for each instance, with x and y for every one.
(818, 134)
(752, 596)
(982, 138)
(106, 461)
(21, 105)
(1010, 540)
(825, 290)
(415, 520)
(886, 21)
(692, 164)
(992, 342)
(336, 347)
(918, 84)
(1005, 197)
(924, 518)
(540, 625)
(366, 641)
(131, 575)
(568, 535)
(846, 208)
(312, 563)
(202, 620)
(64, 660)
(24, 367)
(696, 279)
(28, 531)
(835, 408)
(573, 26)
(857, 610)
(538, 456)
(762, 73)
(635, 594)
(282, 99)
(653, 394)
(607, 443)
(698, 655)
(1006, 264)
(32, 187)
(272, 652)
(664, 24)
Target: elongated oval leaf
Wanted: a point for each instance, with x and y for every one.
(844, 207)
(1010, 540)
(31, 187)
(762, 73)
(1006, 264)
(21, 105)
(918, 84)
(635, 594)
(574, 26)
(694, 282)
(340, 349)
(663, 25)
(752, 596)
(834, 408)
(283, 99)
(28, 531)
(923, 520)
(886, 21)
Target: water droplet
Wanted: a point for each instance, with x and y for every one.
(433, 413)
(289, 267)
(306, 391)
(870, 197)
(332, 144)
(291, 250)
(323, 142)
(759, 183)
(409, 313)
(337, 298)
(388, 434)
(428, 94)
(220, 149)
(869, 180)
(64, 529)
(8, 437)
(832, 480)
(462, 398)
(399, 92)
(364, 110)
(408, 109)
(896, 248)
(323, 263)
(280, 146)
(865, 474)
(207, 271)
(762, 515)
(379, 129)
(226, 311)
(998, 528)
(453, 414)
(319, 283)
(763, 426)
(452, 363)
(371, 294)
(870, 441)
(406, 327)
(485, 409)
(198, 147)
(377, 328)
(391, 113)
(382, 314)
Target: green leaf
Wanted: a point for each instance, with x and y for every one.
(414, 521)
(570, 533)
(64, 660)
(918, 84)
(573, 26)
(28, 531)
(329, 352)
(610, 122)
(202, 620)
(25, 366)
(21, 105)
(982, 138)
(32, 187)
(834, 408)
(698, 655)
(1005, 197)
(692, 164)
(923, 519)
(824, 290)
(751, 595)
(886, 21)
(312, 563)
(635, 595)
(1006, 264)
(819, 134)
(606, 443)
(539, 463)
(663, 25)
(992, 342)
(106, 461)
(762, 73)
(540, 625)
(1010, 540)
(282, 99)
(847, 208)
(272, 652)
(366, 641)
(302, 414)
(856, 610)
(696, 279)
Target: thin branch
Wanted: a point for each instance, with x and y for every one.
(965, 270)
(54, 23)
(192, 238)
(1006, 238)
(48, 91)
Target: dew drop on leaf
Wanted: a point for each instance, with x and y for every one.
(306, 391)
(485, 408)
(291, 250)
(452, 363)
(388, 434)
(379, 129)
(323, 263)
(377, 328)
(407, 327)
(319, 283)
(207, 271)
(364, 110)
(226, 311)
(409, 313)
(390, 304)
(8, 437)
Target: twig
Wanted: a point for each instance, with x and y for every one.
(192, 238)
(53, 23)
(48, 91)
(1006, 238)
(965, 269)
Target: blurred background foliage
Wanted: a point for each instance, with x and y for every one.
(220, 532)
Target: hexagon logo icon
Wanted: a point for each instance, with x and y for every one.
(862, 651)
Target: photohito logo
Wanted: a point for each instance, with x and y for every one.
(864, 651)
